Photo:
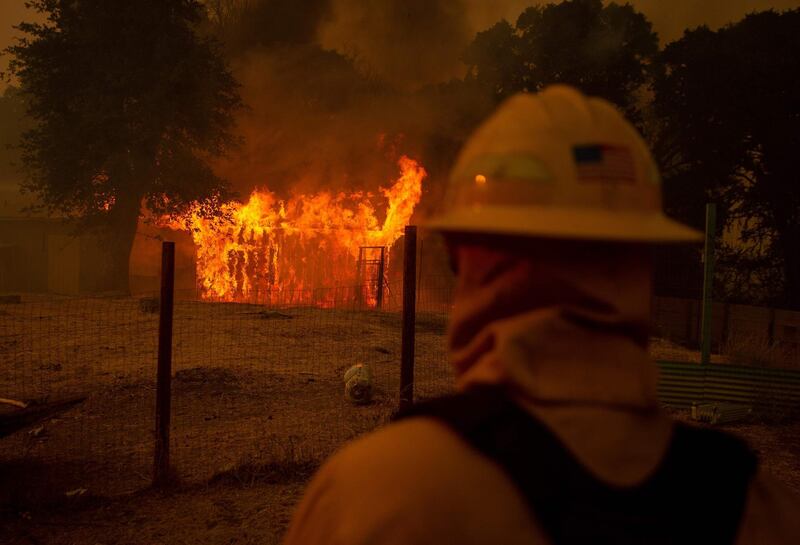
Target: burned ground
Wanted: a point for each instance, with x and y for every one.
(250, 384)
(257, 404)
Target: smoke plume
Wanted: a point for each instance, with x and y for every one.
(336, 89)
(407, 43)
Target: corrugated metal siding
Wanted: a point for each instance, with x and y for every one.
(682, 384)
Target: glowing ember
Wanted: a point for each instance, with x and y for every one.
(296, 251)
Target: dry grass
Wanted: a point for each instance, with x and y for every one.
(753, 350)
(250, 384)
(257, 403)
(665, 350)
(252, 504)
(223, 513)
(776, 444)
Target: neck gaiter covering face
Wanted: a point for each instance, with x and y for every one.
(555, 322)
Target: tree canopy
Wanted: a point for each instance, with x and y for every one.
(129, 102)
(604, 50)
(12, 124)
(244, 24)
(728, 112)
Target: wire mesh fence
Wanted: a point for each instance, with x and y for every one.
(99, 350)
(258, 383)
(435, 290)
(740, 334)
(255, 381)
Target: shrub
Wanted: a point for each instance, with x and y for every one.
(755, 350)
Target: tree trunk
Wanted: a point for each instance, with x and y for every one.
(117, 243)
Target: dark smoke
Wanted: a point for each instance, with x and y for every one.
(312, 122)
(245, 24)
(322, 118)
(337, 88)
(405, 42)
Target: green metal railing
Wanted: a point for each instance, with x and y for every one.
(685, 384)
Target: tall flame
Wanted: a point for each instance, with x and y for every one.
(271, 250)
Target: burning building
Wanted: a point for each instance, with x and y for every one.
(319, 248)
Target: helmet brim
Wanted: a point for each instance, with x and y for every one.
(566, 223)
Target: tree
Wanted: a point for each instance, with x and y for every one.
(129, 103)
(12, 124)
(604, 50)
(727, 101)
(245, 24)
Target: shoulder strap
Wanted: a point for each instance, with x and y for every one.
(696, 496)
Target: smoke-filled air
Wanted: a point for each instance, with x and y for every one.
(379, 272)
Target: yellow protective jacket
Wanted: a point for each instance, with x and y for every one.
(567, 337)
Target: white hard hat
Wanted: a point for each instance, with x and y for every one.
(558, 164)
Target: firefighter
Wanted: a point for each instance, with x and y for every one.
(555, 434)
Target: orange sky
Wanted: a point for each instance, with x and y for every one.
(669, 17)
(11, 13)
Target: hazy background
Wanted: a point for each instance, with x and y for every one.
(389, 36)
(337, 90)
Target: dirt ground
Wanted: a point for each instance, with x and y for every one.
(222, 513)
(246, 507)
(257, 403)
(250, 385)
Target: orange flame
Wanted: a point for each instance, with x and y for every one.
(274, 251)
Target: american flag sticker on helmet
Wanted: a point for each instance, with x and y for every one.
(604, 164)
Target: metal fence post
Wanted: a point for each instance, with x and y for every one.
(419, 269)
(359, 286)
(409, 317)
(161, 467)
(771, 328)
(708, 283)
(381, 279)
(726, 325)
